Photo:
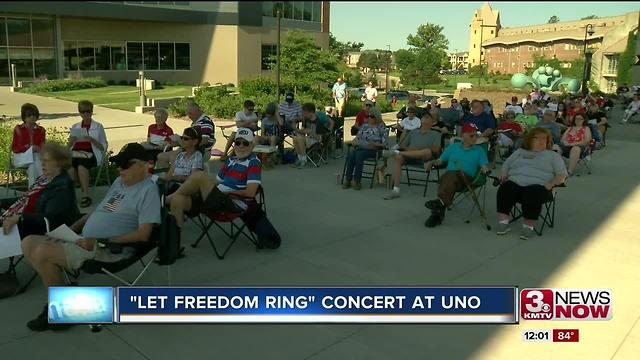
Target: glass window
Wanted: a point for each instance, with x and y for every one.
(151, 56)
(23, 60)
(118, 57)
(5, 78)
(288, 10)
(183, 56)
(86, 55)
(19, 32)
(317, 11)
(103, 56)
(134, 56)
(298, 9)
(3, 34)
(267, 51)
(42, 32)
(44, 63)
(267, 8)
(167, 56)
(70, 56)
(308, 5)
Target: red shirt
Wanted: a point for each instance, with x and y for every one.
(573, 112)
(514, 126)
(361, 118)
(23, 137)
(166, 131)
(84, 145)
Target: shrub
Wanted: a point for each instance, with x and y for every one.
(205, 84)
(178, 108)
(123, 82)
(131, 83)
(65, 85)
(111, 82)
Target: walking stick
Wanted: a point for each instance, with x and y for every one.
(473, 195)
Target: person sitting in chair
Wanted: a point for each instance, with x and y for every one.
(527, 176)
(245, 118)
(411, 122)
(188, 161)
(422, 144)
(126, 215)
(233, 190)
(270, 123)
(314, 124)
(361, 117)
(29, 135)
(509, 131)
(481, 119)
(574, 141)
(371, 137)
(463, 159)
(158, 134)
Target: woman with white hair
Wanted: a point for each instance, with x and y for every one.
(371, 137)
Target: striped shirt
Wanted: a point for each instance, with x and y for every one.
(236, 173)
(206, 127)
(290, 112)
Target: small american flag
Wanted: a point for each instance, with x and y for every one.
(113, 203)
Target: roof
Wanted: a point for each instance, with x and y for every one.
(618, 47)
(489, 16)
(546, 36)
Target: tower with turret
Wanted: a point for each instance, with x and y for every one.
(484, 25)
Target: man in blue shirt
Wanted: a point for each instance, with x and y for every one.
(481, 119)
(340, 95)
(463, 159)
(314, 124)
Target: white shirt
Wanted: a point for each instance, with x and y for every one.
(634, 106)
(409, 124)
(371, 93)
(517, 109)
(241, 116)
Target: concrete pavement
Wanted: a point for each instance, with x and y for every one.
(346, 237)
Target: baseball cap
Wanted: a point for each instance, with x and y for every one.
(469, 128)
(131, 151)
(244, 133)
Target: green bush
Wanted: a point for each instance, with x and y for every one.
(65, 85)
(123, 82)
(111, 82)
(178, 108)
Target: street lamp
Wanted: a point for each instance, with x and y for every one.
(588, 30)
(278, 5)
(386, 87)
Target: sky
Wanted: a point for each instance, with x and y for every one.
(378, 24)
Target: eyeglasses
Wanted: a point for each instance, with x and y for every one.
(186, 138)
(241, 142)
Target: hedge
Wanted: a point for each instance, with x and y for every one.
(65, 85)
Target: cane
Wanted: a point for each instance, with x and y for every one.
(473, 195)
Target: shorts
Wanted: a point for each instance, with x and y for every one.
(339, 104)
(87, 163)
(566, 150)
(76, 255)
(215, 201)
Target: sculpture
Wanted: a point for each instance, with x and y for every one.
(546, 78)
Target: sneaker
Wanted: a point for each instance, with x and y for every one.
(503, 229)
(357, 186)
(392, 195)
(346, 184)
(433, 204)
(527, 233)
(41, 323)
(434, 220)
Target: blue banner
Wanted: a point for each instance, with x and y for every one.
(315, 304)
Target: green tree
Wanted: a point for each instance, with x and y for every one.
(303, 64)
(421, 63)
(341, 49)
(554, 19)
(627, 59)
(403, 58)
(429, 36)
(589, 17)
(368, 60)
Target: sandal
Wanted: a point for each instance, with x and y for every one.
(85, 202)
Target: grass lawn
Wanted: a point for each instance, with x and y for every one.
(117, 96)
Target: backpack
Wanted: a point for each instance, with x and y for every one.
(266, 233)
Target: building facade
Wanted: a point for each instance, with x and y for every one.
(459, 60)
(513, 49)
(172, 41)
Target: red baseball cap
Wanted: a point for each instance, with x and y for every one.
(469, 128)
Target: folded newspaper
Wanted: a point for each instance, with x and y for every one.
(63, 232)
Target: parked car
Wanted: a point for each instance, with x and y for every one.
(400, 94)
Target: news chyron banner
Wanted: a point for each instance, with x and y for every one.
(566, 304)
(483, 305)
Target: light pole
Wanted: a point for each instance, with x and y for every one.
(278, 5)
(455, 67)
(386, 87)
(587, 60)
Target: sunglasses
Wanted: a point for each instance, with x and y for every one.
(241, 142)
(186, 138)
(368, 105)
(127, 165)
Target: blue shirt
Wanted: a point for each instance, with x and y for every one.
(340, 90)
(482, 121)
(470, 160)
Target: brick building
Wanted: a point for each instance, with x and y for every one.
(512, 50)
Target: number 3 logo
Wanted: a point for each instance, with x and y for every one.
(537, 304)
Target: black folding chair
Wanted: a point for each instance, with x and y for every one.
(547, 216)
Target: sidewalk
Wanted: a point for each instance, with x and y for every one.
(334, 237)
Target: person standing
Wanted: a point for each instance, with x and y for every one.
(371, 93)
(340, 96)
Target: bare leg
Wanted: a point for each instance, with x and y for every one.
(574, 157)
(166, 157)
(397, 169)
(83, 177)
(179, 205)
(503, 217)
(46, 257)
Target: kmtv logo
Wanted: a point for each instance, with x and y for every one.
(565, 304)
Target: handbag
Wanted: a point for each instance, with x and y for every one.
(23, 159)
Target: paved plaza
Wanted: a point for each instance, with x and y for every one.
(347, 237)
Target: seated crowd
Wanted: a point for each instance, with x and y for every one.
(461, 140)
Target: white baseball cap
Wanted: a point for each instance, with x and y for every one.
(244, 133)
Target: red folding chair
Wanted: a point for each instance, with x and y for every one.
(236, 225)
